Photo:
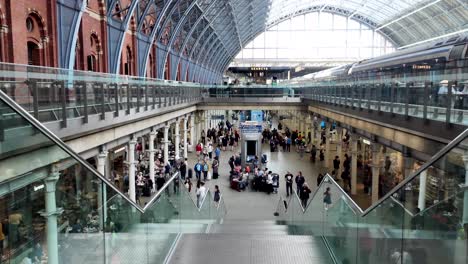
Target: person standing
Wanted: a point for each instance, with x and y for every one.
(206, 167)
(198, 170)
(304, 195)
(215, 166)
(231, 163)
(210, 150)
(313, 153)
(300, 180)
(217, 152)
(183, 169)
(319, 179)
(289, 181)
(203, 136)
(327, 198)
(336, 163)
(288, 144)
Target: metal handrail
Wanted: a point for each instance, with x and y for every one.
(362, 213)
(51, 136)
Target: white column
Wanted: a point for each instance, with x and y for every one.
(78, 182)
(177, 139)
(192, 131)
(102, 203)
(339, 151)
(166, 144)
(354, 140)
(327, 148)
(51, 212)
(422, 190)
(131, 169)
(375, 171)
(185, 136)
(408, 166)
(152, 137)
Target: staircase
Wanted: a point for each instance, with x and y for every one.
(244, 241)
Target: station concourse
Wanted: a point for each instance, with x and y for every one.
(233, 131)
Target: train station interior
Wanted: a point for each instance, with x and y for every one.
(233, 131)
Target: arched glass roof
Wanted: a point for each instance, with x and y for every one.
(321, 39)
(403, 22)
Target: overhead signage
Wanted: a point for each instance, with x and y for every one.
(259, 68)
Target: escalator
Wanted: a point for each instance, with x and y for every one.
(59, 209)
(424, 219)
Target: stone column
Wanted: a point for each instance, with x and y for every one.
(131, 169)
(102, 203)
(143, 143)
(185, 136)
(166, 144)
(407, 166)
(78, 182)
(51, 212)
(422, 190)
(152, 137)
(375, 171)
(339, 151)
(354, 151)
(192, 131)
(177, 139)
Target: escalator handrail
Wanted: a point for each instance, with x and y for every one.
(51, 136)
(160, 191)
(454, 143)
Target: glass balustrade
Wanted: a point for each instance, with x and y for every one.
(422, 220)
(52, 94)
(56, 208)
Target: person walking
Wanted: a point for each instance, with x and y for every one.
(300, 180)
(304, 195)
(201, 192)
(327, 198)
(289, 182)
(217, 195)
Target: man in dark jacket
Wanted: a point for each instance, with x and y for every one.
(300, 180)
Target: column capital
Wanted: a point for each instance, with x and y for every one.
(103, 154)
(51, 180)
(153, 133)
(132, 141)
(375, 147)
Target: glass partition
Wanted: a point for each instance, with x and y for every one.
(422, 220)
(56, 208)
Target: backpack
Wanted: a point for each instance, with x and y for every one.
(198, 167)
(205, 167)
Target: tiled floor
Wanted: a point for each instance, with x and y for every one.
(258, 205)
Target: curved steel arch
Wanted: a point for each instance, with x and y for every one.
(157, 24)
(192, 30)
(174, 36)
(189, 35)
(69, 15)
(116, 34)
